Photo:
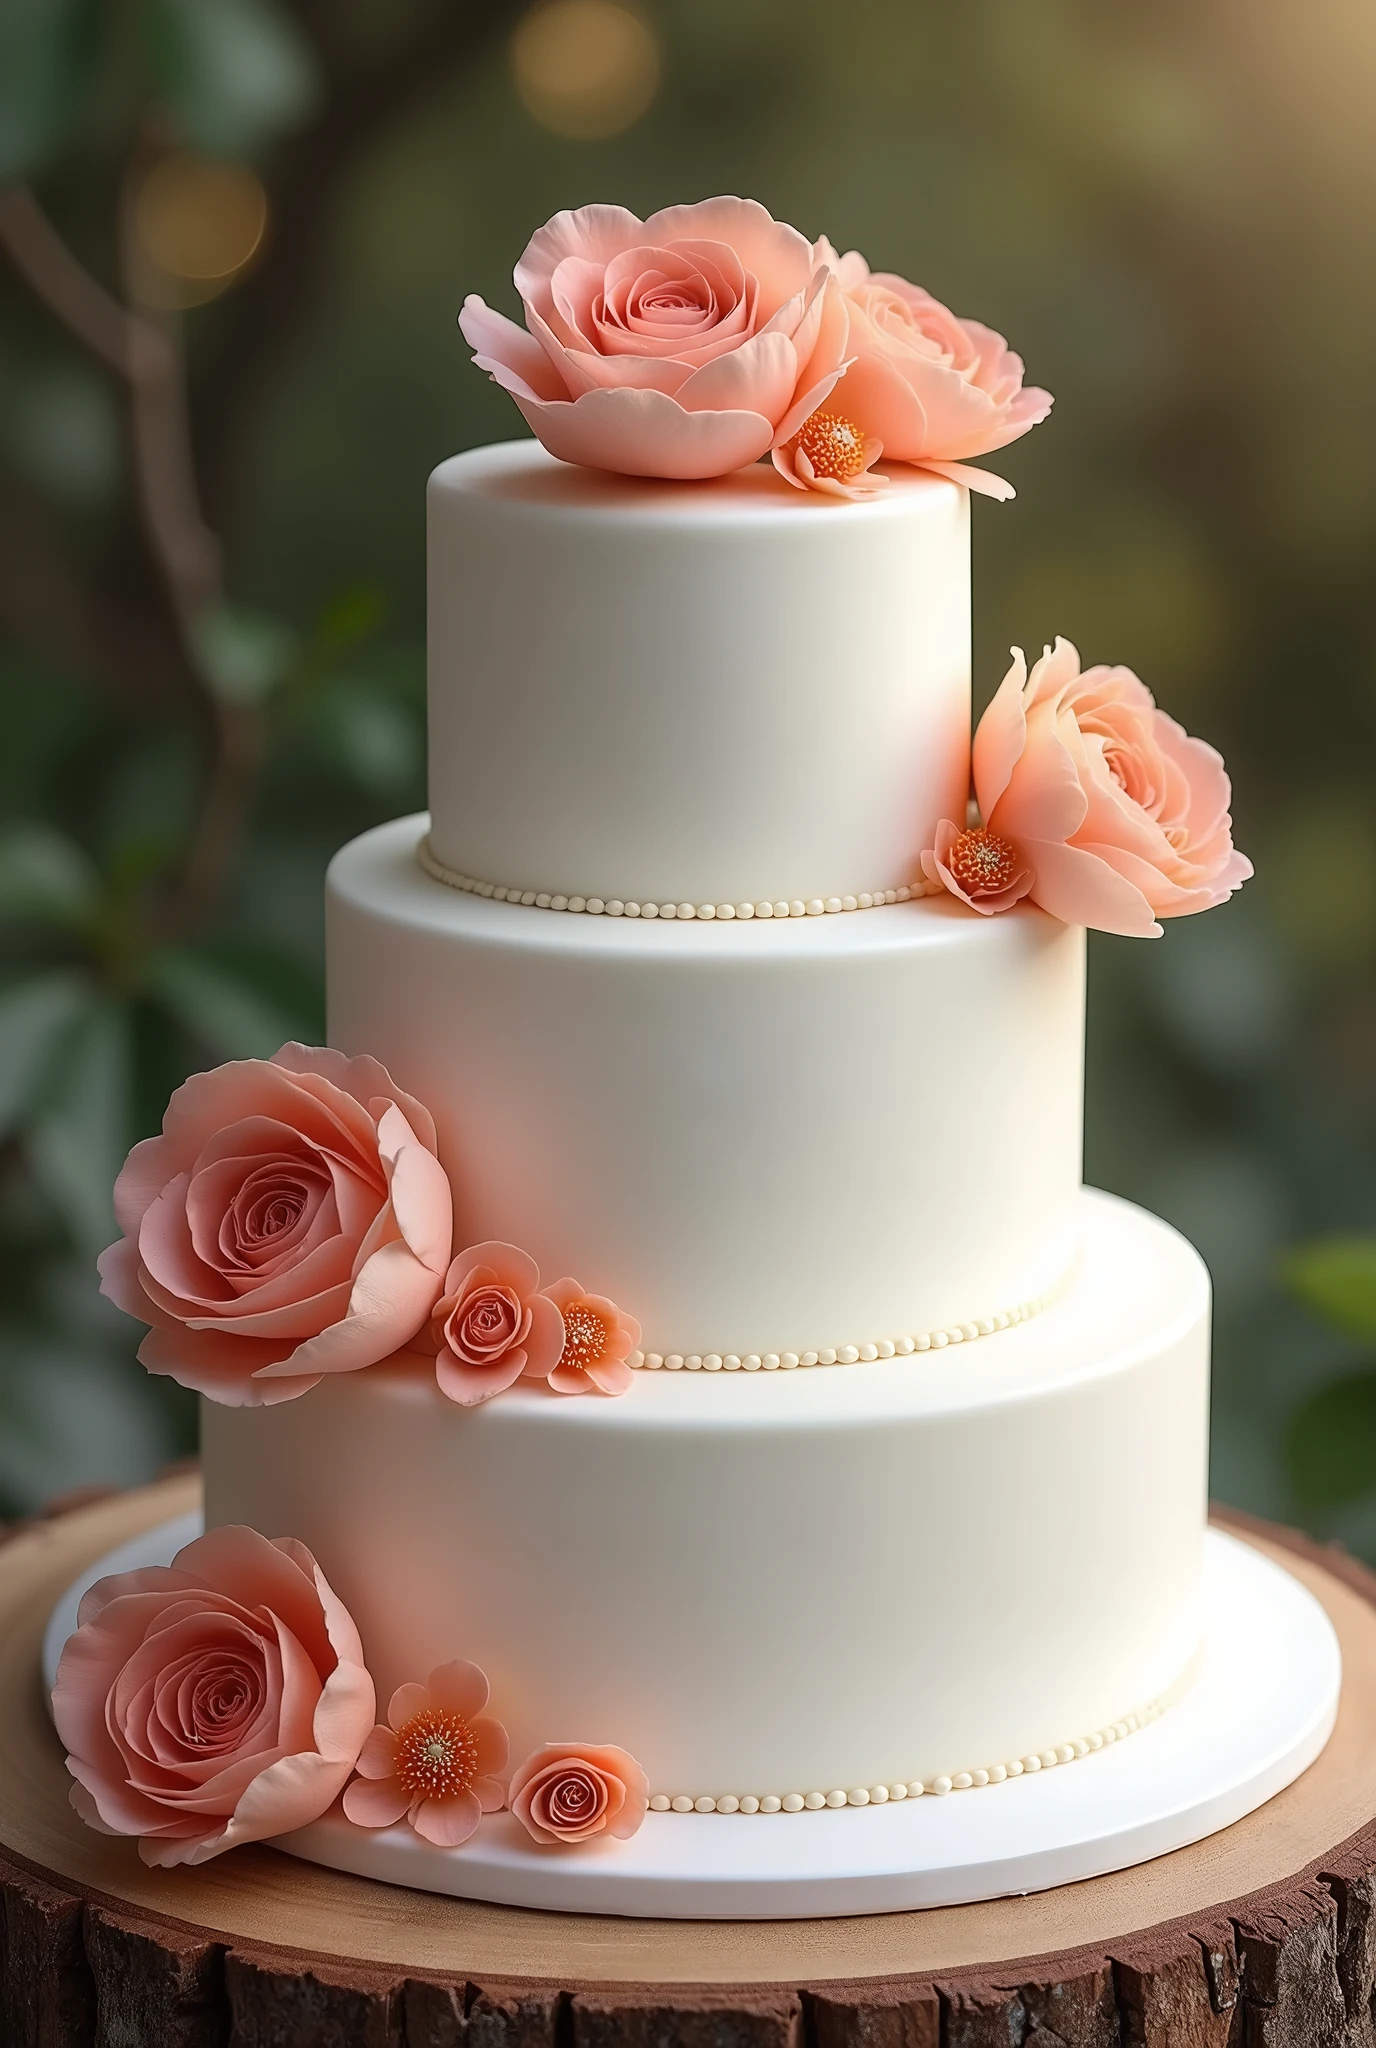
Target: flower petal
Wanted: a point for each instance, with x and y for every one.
(645, 433)
(459, 1688)
(447, 1822)
(498, 343)
(376, 1802)
(1000, 737)
(1080, 888)
(378, 1755)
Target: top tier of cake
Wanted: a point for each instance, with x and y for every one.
(714, 693)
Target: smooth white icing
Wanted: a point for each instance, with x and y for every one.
(823, 1579)
(758, 1138)
(705, 693)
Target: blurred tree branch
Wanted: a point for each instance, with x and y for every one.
(139, 340)
(366, 96)
(66, 287)
(140, 346)
(123, 647)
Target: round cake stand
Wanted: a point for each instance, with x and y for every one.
(1265, 1932)
(1257, 1709)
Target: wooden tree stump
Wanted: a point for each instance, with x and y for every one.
(1261, 1937)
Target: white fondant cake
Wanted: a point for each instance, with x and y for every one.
(660, 1360)
(780, 1141)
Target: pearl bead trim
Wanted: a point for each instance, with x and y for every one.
(844, 1354)
(916, 1788)
(615, 906)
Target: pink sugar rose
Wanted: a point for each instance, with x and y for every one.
(569, 1791)
(1096, 805)
(932, 389)
(291, 1221)
(685, 345)
(598, 1340)
(492, 1324)
(216, 1700)
(435, 1761)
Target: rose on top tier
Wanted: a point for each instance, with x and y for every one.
(686, 345)
(1096, 805)
(930, 388)
(292, 1220)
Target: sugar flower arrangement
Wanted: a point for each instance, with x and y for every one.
(1093, 804)
(224, 1698)
(696, 342)
(293, 1220)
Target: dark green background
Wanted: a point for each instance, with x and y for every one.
(1168, 210)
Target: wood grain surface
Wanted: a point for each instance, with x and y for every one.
(1261, 1936)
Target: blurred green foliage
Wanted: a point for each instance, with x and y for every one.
(1332, 1435)
(1168, 212)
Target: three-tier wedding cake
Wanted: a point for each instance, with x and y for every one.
(708, 1054)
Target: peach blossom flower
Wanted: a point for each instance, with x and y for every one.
(985, 871)
(292, 1220)
(598, 1340)
(492, 1324)
(434, 1761)
(831, 454)
(1096, 805)
(569, 1791)
(931, 388)
(685, 345)
(216, 1700)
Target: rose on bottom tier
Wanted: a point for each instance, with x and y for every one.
(224, 1698)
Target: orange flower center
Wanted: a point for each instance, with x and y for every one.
(585, 1336)
(982, 862)
(834, 446)
(437, 1755)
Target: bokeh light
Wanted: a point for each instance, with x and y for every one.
(201, 221)
(585, 68)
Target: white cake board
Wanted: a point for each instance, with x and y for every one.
(1259, 1711)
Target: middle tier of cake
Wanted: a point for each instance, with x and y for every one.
(766, 1140)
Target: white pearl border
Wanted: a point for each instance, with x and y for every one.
(615, 906)
(845, 1354)
(917, 1788)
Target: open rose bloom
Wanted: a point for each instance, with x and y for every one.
(1096, 805)
(436, 1762)
(570, 1791)
(686, 345)
(930, 389)
(219, 1699)
(292, 1220)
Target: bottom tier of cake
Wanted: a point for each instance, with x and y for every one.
(772, 1586)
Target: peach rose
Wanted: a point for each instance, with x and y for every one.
(292, 1220)
(598, 1340)
(492, 1324)
(932, 389)
(568, 1791)
(686, 345)
(434, 1761)
(1096, 805)
(216, 1700)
